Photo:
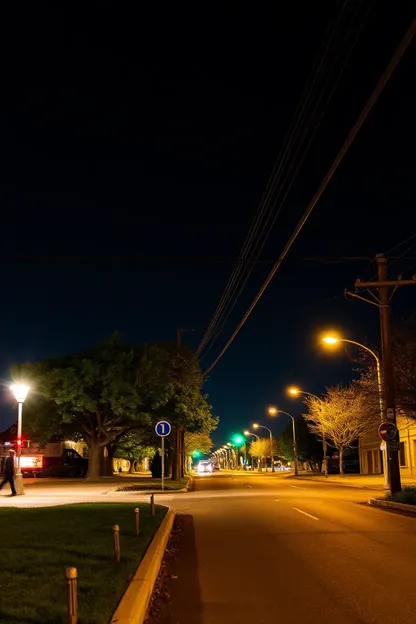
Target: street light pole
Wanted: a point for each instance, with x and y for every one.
(248, 433)
(293, 391)
(271, 442)
(295, 447)
(380, 395)
(20, 392)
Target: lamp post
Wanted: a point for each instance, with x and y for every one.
(294, 391)
(20, 392)
(334, 340)
(257, 426)
(274, 411)
(248, 433)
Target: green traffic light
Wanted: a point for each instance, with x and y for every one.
(196, 454)
(238, 439)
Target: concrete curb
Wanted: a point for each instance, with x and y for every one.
(327, 482)
(384, 504)
(132, 608)
(149, 492)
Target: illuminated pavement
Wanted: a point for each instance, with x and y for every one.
(51, 492)
(261, 548)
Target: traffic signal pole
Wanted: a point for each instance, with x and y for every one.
(383, 286)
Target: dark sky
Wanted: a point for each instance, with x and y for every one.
(136, 143)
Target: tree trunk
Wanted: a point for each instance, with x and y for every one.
(108, 461)
(341, 468)
(131, 469)
(325, 458)
(94, 461)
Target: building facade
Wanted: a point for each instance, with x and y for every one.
(371, 461)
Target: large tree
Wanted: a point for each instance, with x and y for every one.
(113, 389)
(102, 393)
(261, 448)
(341, 416)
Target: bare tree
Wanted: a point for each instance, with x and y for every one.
(342, 416)
(261, 448)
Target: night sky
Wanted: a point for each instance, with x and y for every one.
(135, 148)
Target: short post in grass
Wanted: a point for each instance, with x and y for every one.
(137, 520)
(72, 584)
(117, 552)
(152, 504)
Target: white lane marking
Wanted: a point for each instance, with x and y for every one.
(249, 486)
(277, 500)
(306, 513)
(296, 486)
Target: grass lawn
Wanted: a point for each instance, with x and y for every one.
(36, 545)
(152, 485)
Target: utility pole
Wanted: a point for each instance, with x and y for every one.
(389, 407)
(180, 431)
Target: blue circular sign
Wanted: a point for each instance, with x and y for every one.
(163, 428)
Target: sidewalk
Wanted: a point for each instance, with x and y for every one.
(371, 482)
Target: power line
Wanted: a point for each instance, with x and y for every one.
(299, 129)
(404, 44)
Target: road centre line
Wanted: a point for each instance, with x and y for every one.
(306, 513)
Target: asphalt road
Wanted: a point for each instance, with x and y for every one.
(253, 548)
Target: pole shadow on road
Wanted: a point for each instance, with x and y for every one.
(177, 594)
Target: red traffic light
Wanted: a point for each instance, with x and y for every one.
(19, 442)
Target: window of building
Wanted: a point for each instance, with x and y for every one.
(402, 454)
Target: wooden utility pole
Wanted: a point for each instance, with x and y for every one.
(179, 460)
(383, 286)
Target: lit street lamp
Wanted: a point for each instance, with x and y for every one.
(20, 392)
(334, 341)
(257, 426)
(294, 391)
(273, 411)
(248, 433)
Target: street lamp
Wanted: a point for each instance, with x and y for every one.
(273, 411)
(334, 341)
(248, 433)
(20, 392)
(257, 426)
(294, 391)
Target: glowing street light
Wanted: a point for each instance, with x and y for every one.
(335, 340)
(20, 392)
(273, 411)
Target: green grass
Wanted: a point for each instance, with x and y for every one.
(152, 485)
(36, 545)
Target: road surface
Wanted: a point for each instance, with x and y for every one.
(255, 548)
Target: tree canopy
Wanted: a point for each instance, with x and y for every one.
(112, 389)
(341, 416)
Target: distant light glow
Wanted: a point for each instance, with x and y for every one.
(255, 426)
(272, 410)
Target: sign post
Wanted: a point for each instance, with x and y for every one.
(163, 429)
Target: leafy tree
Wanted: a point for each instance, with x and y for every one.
(308, 446)
(110, 390)
(261, 448)
(341, 416)
(132, 447)
(197, 442)
(102, 393)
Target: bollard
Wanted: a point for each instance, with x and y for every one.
(137, 520)
(117, 553)
(72, 582)
(152, 504)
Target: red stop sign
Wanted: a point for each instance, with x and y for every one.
(387, 431)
